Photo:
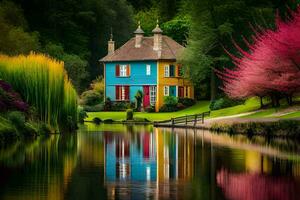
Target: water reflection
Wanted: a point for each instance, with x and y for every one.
(142, 162)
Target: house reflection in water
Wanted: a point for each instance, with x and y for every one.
(153, 158)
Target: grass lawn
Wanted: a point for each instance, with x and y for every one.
(201, 106)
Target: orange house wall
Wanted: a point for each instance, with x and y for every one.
(170, 81)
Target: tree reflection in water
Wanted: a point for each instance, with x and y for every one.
(143, 162)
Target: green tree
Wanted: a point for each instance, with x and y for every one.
(14, 39)
(214, 24)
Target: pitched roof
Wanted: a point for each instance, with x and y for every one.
(128, 52)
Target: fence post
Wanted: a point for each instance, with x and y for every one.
(202, 118)
(172, 121)
(195, 122)
(185, 119)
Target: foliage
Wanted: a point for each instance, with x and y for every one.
(98, 85)
(14, 37)
(77, 71)
(97, 120)
(187, 102)
(170, 101)
(17, 119)
(148, 22)
(91, 98)
(168, 108)
(129, 114)
(96, 108)
(107, 104)
(150, 109)
(10, 100)
(177, 29)
(275, 54)
(139, 99)
(213, 25)
(8, 132)
(224, 102)
(283, 128)
(43, 83)
(120, 106)
(81, 114)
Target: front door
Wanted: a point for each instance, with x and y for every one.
(146, 99)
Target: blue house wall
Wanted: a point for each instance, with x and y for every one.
(136, 80)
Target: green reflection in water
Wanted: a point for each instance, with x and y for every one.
(137, 162)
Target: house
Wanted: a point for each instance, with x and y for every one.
(147, 64)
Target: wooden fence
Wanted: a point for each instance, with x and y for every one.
(184, 120)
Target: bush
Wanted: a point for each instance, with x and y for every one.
(170, 101)
(107, 104)
(81, 115)
(187, 102)
(95, 108)
(180, 106)
(97, 120)
(170, 104)
(129, 114)
(120, 106)
(91, 98)
(150, 109)
(108, 121)
(168, 108)
(224, 103)
(17, 118)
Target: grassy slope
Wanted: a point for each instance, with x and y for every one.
(202, 106)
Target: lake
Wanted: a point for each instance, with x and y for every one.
(143, 162)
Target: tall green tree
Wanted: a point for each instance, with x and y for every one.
(214, 25)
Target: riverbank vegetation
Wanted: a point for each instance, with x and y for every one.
(42, 83)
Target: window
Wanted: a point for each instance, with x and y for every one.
(172, 71)
(152, 95)
(148, 70)
(123, 70)
(167, 71)
(180, 70)
(166, 90)
(122, 93)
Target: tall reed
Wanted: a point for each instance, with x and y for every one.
(44, 84)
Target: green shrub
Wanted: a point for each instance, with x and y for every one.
(81, 114)
(107, 104)
(30, 130)
(44, 129)
(8, 132)
(95, 108)
(108, 121)
(91, 98)
(170, 104)
(170, 101)
(166, 108)
(187, 102)
(180, 106)
(17, 118)
(97, 120)
(139, 99)
(224, 103)
(150, 109)
(129, 114)
(120, 106)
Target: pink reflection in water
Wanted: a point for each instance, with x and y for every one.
(246, 186)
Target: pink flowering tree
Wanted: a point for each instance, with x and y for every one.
(271, 67)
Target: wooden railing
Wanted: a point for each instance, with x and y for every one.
(184, 120)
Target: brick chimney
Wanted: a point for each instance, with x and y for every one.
(139, 34)
(157, 43)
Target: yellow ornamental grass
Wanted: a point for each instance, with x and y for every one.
(44, 84)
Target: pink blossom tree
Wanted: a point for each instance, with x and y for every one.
(271, 67)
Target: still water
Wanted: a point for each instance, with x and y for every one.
(142, 162)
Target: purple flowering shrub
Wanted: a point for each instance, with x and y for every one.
(10, 100)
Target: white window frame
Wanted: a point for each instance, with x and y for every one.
(148, 70)
(123, 70)
(167, 71)
(166, 91)
(152, 95)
